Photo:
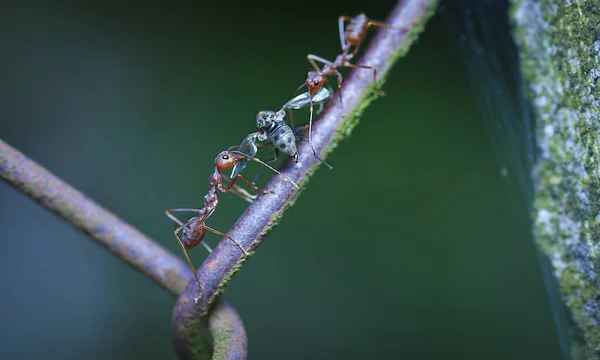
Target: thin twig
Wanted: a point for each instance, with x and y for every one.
(335, 124)
(117, 236)
(120, 238)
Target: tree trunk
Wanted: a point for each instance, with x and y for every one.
(559, 45)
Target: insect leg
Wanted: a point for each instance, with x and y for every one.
(226, 236)
(341, 21)
(314, 58)
(315, 154)
(176, 232)
(374, 74)
(240, 191)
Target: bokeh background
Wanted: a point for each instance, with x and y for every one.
(412, 247)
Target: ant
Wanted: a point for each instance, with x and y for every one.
(195, 228)
(351, 36)
(273, 127)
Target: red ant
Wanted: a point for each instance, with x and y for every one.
(195, 228)
(351, 36)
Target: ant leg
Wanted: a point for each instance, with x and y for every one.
(379, 24)
(339, 83)
(341, 21)
(300, 130)
(255, 159)
(275, 158)
(241, 192)
(263, 146)
(374, 74)
(172, 217)
(168, 212)
(226, 236)
(188, 259)
(310, 120)
(315, 154)
(310, 114)
(313, 58)
(322, 105)
(290, 112)
(182, 225)
(240, 176)
(233, 147)
(176, 232)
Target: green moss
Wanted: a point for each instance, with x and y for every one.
(222, 334)
(559, 42)
(222, 338)
(192, 334)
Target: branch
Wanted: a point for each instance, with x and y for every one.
(264, 213)
(117, 236)
(228, 333)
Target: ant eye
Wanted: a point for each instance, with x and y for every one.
(316, 82)
(225, 157)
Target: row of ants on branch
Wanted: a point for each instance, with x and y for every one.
(273, 129)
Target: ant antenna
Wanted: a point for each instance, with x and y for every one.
(266, 165)
(314, 152)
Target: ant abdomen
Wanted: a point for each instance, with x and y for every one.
(356, 29)
(283, 138)
(192, 236)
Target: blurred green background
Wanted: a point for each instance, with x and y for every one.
(409, 248)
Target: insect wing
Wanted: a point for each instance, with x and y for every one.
(303, 99)
(321, 95)
(248, 147)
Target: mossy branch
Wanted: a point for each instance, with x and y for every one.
(408, 19)
(560, 56)
(227, 331)
(118, 237)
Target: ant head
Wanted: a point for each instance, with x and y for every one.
(265, 119)
(314, 82)
(225, 160)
